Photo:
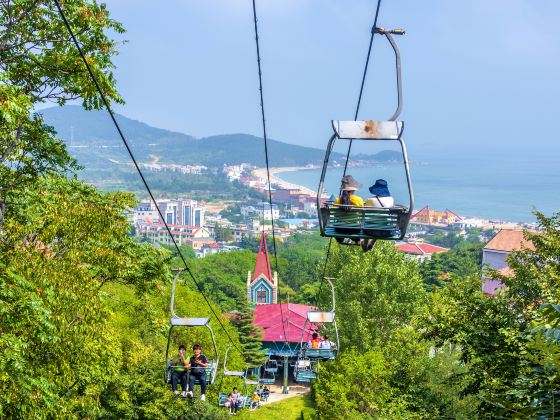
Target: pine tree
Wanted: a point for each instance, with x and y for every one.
(250, 336)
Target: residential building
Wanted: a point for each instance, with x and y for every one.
(177, 212)
(420, 251)
(430, 217)
(300, 223)
(494, 256)
(192, 213)
(262, 210)
(156, 232)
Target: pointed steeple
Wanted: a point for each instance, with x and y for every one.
(263, 263)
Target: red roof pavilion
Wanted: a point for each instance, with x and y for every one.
(269, 318)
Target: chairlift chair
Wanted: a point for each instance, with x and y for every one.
(244, 398)
(305, 370)
(367, 222)
(268, 372)
(178, 322)
(318, 317)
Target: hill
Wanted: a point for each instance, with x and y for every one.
(94, 141)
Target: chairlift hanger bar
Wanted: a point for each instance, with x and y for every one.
(374, 29)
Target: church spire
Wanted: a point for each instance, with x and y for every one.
(263, 264)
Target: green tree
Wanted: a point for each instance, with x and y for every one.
(250, 337)
(512, 367)
(65, 243)
(462, 261)
(38, 63)
(357, 386)
(376, 293)
(223, 234)
(223, 276)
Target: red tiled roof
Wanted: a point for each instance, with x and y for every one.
(508, 241)
(420, 249)
(269, 318)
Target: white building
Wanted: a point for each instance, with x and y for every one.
(177, 212)
(262, 210)
(469, 223)
(156, 232)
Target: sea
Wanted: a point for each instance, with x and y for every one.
(505, 189)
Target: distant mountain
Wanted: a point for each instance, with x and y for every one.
(93, 140)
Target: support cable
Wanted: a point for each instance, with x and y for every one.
(373, 32)
(255, 20)
(366, 66)
(146, 186)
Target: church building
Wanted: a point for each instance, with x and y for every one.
(262, 287)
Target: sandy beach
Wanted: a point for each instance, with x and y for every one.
(261, 173)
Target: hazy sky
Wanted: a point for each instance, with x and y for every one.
(478, 75)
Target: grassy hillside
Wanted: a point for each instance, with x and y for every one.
(300, 407)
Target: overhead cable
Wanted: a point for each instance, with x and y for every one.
(146, 186)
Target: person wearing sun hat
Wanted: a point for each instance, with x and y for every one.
(348, 197)
(347, 200)
(381, 197)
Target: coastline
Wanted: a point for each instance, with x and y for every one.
(261, 173)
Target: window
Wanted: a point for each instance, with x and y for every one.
(261, 296)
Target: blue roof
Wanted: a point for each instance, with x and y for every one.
(298, 221)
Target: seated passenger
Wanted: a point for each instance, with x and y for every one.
(326, 344)
(347, 200)
(255, 401)
(229, 404)
(381, 197)
(236, 399)
(180, 371)
(314, 342)
(198, 365)
(348, 195)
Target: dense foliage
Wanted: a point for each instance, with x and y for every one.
(385, 368)
(83, 314)
(462, 261)
(450, 351)
(83, 308)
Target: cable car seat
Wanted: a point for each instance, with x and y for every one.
(363, 222)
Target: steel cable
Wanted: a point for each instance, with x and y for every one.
(366, 66)
(255, 20)
(146, 186)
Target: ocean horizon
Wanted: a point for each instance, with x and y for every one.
(506, 189)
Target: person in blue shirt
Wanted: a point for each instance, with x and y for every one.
(198, 364)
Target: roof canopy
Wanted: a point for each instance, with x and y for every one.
(269, 318)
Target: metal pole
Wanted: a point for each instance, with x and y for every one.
(285, 380)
